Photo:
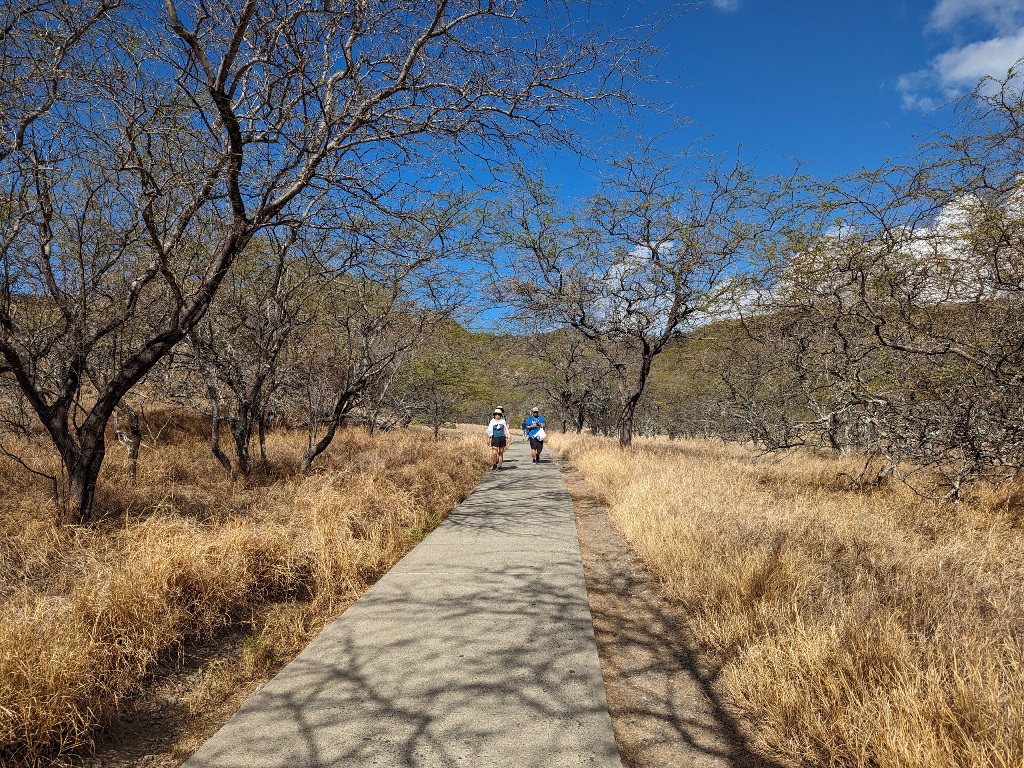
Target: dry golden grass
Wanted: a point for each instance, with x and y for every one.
(846, 628)
(86, 613)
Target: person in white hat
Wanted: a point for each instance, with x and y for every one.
(498, 435)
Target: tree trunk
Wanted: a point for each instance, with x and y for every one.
(321, 445)
(627, 408)
(626, 425)
(83, 470)
(134, 438)
(629, 398)
(341, 407)
(241, 431)
(262, 428)
(215, 432)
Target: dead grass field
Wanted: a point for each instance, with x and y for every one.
(845, 628)
(184, 554)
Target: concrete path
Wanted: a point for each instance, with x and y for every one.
(476, 650)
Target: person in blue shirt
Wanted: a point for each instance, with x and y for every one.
(532, 427)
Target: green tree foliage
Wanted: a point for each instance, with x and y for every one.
(447, 383)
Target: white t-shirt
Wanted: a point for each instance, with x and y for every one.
(490, 427)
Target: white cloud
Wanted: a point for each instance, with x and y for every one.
(959, 69)
(1002, 15)
(728, 6)
(916, 88)
(964, 67)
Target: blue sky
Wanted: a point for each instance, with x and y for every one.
(839, 84)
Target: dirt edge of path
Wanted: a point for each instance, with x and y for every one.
(664, 709)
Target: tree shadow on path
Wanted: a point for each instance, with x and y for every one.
(475, 651)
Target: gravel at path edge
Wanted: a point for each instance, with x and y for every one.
(663, 706)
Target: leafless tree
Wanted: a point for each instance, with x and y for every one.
(145, 145)
(658, 252)
(392, 282)
(445, 378)
(895, 324)
(237, 346)
(567, 373)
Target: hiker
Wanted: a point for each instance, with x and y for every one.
(498, 434)
(533, 428)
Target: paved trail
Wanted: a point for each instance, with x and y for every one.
(476, 650)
